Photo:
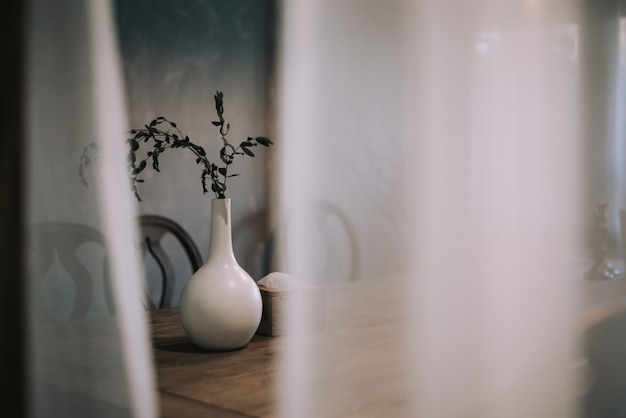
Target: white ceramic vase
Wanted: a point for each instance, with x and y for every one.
(221, 305)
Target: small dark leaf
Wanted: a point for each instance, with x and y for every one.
(173, 124)
(216, 123)
(153, 123)
(139, 180)
(134, 145)
(266, 142)
(247, 151)
(222, 170)
(224, 157)
(233, 175)
(204, 174)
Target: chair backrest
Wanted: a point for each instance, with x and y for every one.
(65, 239)
(154, 228)
(340, 261)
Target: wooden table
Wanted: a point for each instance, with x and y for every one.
(196, 383)
(358, 350)
(360, 359)
(356, 364)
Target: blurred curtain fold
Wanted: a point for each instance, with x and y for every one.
(447, 134)
(99, 365)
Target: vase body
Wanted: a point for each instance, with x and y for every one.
(221, 305)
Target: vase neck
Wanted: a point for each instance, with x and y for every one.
(221, 245)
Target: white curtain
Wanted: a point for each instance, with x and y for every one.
(445, 134)
(101, 365)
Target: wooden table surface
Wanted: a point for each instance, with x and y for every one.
(359, 354)
(197, 383)
(358, 362)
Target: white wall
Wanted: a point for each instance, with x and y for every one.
(175, 56)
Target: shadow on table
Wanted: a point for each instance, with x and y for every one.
(189, 347)
(183, 352)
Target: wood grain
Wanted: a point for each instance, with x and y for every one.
(360, 353)
(234, 383)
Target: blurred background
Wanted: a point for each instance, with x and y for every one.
(450, 153)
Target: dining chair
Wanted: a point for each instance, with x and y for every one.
(65, 240)
(333, 256)
(153, 229)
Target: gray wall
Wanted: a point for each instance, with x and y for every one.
(176, 54)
